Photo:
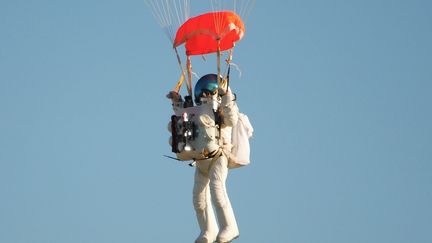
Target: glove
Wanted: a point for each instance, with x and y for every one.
(174, 96)
(222, 87)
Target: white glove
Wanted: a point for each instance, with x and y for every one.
(174, 96)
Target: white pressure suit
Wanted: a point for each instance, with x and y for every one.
(209, 191)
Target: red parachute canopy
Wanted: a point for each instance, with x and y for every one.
(201, 33)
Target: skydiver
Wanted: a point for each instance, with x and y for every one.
(209, 191)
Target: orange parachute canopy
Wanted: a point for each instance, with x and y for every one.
(204, 33)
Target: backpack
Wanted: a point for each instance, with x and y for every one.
(240, 135)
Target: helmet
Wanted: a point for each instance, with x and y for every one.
(206, 84)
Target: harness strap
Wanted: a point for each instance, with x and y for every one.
(215, 157)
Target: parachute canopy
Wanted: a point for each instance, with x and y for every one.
(207, 32)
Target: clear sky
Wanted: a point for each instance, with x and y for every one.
(339, 93)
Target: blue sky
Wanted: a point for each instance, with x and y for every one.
(339, 93)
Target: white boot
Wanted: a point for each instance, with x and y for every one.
(208, 226)
(228, 225)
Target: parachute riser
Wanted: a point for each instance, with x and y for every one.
(189, 76)
(227, 71)
(180, 82)
(218, 55)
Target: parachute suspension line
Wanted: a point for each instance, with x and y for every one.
(169, 14)
(215, 12)
(159, 10)
(177, 11)
(219, 21)
(244, 9)
(186, 9)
